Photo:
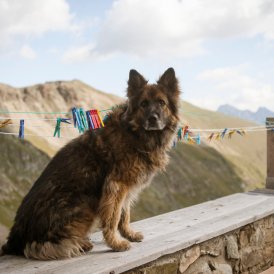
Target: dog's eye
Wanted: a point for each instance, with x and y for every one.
(144, 103)
(162, 102)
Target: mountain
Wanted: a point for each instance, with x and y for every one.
(195, 174)
(248, 154)
(58, 96)
(21, 164)
(258, 117)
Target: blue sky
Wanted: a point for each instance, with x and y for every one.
(222, 51)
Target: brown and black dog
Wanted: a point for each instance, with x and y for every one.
(95, 177)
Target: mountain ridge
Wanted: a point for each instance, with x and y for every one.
(63, 95)
(258, 116)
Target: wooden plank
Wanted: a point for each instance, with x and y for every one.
(164, 234)
(270, 155)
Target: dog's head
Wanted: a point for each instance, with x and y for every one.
(152, 106)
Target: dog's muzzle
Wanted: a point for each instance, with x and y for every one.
(153, 123)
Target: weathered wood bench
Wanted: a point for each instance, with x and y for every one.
(164, 234)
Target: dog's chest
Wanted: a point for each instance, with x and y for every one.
(135, 189)
(136, 170)
(143, 169)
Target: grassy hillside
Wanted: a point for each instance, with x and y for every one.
(21, 164)
(248, 154)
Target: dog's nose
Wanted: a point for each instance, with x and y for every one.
(153, 119)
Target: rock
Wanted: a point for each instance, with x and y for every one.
(243, 238)
(189, 257)
(257, 238)
(165, 268)
(268, 253)
(205, 269)
(200, 268)
(212, 253)
(223, 269)
(269, 236)
(250, 257)
(232, 248)
(213, 248)
(269, 222)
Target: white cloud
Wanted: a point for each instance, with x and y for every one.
(53, 50)
(232, 85)
(27, 52)
(82, 53)
(179, 28)
(77, 54)
(28, 18)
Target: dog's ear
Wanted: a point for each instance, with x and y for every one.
(136, 80)
(169, 80)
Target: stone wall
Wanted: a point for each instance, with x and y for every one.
(247, 250)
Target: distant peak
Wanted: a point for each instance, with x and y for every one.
(263, 109)
(226, 107)
(259, 116)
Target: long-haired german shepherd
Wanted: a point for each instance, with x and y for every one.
(97, 175)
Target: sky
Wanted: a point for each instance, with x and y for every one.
(222, 51)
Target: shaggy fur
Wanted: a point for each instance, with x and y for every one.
(97, 175)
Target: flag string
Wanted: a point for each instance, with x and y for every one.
(248, 128)
(37, 135)
(91, 119)
(41, 112)
(66, 137)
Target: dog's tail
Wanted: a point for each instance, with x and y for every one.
(2, 250)
(66, 248)
(14, 246)
(8, 250)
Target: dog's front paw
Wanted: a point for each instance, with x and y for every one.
(86, 245)
(136, 236)
(121, 246)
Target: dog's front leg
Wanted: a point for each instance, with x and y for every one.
(124, 226)
(113, 197)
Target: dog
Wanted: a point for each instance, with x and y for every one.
(95, 178)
